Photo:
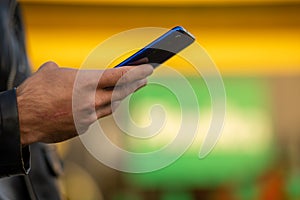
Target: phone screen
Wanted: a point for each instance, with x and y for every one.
(162, 49)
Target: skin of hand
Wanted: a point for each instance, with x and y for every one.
(45, 99)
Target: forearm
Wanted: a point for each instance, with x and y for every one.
(13, 158)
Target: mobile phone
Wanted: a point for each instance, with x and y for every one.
(161, 49)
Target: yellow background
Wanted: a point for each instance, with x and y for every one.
(242, 37)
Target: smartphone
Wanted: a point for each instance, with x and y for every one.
(161, 49)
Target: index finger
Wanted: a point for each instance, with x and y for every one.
(126, 74)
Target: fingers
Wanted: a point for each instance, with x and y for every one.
(107, 109)
(115, 105)
(124, 75)
(104, 111)
(116, 84)
(123, 91)
(118, 93)
(140, 61)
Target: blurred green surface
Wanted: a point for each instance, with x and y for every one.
(250, 97)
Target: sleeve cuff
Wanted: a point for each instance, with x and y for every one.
(13, 158)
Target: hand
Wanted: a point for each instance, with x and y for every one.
(45, 99)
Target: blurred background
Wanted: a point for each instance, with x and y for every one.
(256, 46)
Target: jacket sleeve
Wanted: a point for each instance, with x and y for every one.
(13, 158)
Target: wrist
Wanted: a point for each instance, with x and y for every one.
(25, 138)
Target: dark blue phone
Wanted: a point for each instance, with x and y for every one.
(161, 49)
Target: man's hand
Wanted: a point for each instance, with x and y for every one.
(45, 99)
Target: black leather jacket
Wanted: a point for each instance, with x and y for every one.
(29, 172)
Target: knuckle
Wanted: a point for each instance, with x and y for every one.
(126, 90)
(104, 112)
(124, 78)
(125, 74)
(107, 111)
(50, 65)
(99, 102)
(91, 119)
(91, 104)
